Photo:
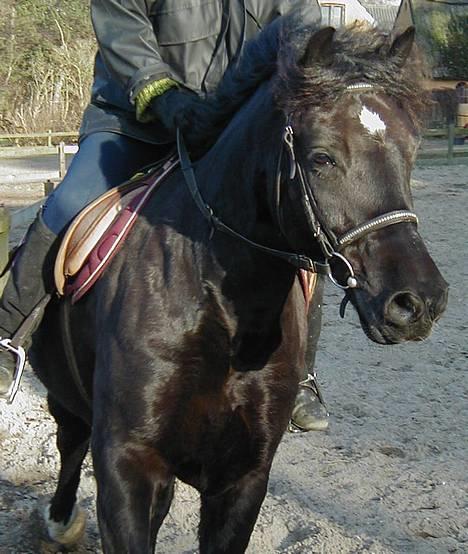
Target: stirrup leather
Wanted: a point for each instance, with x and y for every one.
(20, 337)
(20, 355)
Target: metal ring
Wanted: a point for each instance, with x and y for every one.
(20, 362)
(351, 282)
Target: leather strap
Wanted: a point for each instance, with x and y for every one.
(297, 260)
(69, 349)
(380, 222)
(26, 328)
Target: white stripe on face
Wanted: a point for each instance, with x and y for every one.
(372, 121)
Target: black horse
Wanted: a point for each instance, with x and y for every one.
(191, 344)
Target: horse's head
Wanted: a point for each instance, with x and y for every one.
(353, 104)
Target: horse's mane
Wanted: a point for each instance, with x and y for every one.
(360, 54)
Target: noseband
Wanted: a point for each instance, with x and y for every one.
(329, 243)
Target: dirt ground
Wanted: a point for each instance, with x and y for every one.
(389, 476)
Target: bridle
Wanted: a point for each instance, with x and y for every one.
(330, 244)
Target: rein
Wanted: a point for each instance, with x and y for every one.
(297, 260)
(328, 242)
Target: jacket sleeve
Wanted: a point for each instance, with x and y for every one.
(127, 43)
(307, 11)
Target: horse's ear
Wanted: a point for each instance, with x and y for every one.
(320, 48)
(401, 46)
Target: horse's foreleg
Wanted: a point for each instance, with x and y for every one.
(134, 495)
(65, 521)
(227, 520)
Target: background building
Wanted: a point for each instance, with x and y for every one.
(441, 31)
(345, 12)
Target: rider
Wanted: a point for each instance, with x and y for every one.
(155, 59)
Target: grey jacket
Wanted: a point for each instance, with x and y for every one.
(191, 41)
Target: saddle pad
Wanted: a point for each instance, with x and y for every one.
(95, 235)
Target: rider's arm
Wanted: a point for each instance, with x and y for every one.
(307, 11)
(129, 48)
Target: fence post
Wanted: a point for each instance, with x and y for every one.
(451, 137)
(4, 235)
(62, 160)
(49, 138)
(48, 187)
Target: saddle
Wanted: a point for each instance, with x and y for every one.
(97, 233)
(99, 230)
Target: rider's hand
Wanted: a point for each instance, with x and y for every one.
(169, 108)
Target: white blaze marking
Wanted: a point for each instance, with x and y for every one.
(372, 121)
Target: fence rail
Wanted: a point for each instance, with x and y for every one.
(442, 132)
(453, 135)
(4, 231)
(48, 135)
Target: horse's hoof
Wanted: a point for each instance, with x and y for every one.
(66, 534)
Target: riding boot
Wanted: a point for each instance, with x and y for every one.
(29, 283)
(309, 412)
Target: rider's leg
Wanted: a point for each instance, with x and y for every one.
(104, 160)
(309, 412)
(29, 282)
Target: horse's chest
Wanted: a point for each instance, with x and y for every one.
(226, 427)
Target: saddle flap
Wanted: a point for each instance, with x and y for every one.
(88, 227)
(95, 234)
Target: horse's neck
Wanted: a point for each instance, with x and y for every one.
(235, 176)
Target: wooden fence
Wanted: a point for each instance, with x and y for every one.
(452, 137)
(456, 138)
(49, 136)
(4, 233)
(9, 147)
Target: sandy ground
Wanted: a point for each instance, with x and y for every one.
(389, 476)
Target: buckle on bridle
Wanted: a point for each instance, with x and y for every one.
(20, 354)
(288, 138)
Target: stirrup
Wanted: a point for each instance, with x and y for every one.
(20, 354)
(311, 383)
(293, 428)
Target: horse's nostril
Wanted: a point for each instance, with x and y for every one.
(438, 305)
(404, 308)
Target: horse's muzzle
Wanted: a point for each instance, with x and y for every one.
(404, 316)
(409, 317)
(401, 291)
(407, 308)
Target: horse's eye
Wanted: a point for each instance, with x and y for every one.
(322, 159)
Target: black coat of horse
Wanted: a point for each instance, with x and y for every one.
(192, 343)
